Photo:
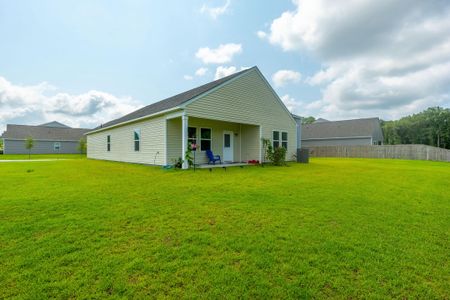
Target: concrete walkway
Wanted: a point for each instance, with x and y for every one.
(28, 160)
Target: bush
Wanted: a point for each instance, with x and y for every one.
(275, 155)
(279, 156)
(178, 163)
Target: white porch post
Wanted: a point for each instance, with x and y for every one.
(260, 145)
(184, 139)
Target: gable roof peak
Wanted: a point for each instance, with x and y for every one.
(175, 101)
(55, 124)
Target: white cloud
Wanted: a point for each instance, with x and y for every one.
(222, 54)
(222, 71)
(33, 105)
(379, 57)
(293, 105)
(215, 12)
(261, 34)
(188, 77)
(201, 72)
(283, 77)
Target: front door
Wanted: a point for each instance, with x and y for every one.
(228, 146)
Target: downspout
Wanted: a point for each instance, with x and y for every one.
(240, 142)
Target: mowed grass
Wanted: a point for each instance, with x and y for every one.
(335, 228)
(40, 156)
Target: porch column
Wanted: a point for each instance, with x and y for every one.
(261, 154)
(184, 139)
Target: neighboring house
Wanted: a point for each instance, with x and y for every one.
(346, 132)
(298, 120)
(48, 138)
(229, 116)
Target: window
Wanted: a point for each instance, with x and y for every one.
(192, 135)
(280, 139)
(108, 143)
(227, 140)
(276, 139)
(205, 139)
(56, 146)
(137, 139)
(284, 140)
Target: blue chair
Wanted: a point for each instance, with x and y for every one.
(213, 158)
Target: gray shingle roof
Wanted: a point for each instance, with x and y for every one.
(173, 101)
(55, 124)
(21, 132)
(344, 128)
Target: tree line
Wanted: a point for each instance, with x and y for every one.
(429, 127)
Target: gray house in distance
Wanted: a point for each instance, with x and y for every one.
(346, 132)
(49, 138)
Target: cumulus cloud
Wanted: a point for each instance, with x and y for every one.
(201, 72)
(222, 54)
(261, 34)
(293, 105)
(283, 77)
(39, 103)
(379, 57)
(215, 12)
(222, 71)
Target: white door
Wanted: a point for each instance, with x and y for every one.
(228, 146)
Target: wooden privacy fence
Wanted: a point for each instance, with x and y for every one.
(418, 152)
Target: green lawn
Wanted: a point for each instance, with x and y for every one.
(40, 156)
(335, 228)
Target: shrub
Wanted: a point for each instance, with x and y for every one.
(279, 156)
(275, 155)
(188, 156)
(178, 163)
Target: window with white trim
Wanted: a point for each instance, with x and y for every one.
(108, 143)
(205, 138)
(137, 139)
(275, 139)
(284, 139)
(56, 146)
(279, 139)
(192, 135)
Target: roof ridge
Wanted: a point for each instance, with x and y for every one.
(66, 128)
(174, 101)
(359, 119)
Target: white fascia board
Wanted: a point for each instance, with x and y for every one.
(214, 89)
(276, 95)
(134, 120)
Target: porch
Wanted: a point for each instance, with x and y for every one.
(233, 142)
(223, 165)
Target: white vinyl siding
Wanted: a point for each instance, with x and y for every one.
(152, 142)
(248, 100)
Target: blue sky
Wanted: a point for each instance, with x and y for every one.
(85, 62)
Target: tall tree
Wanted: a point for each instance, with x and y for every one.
(430, 127)
(82, 146)
(308, 120)
(29, 144)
